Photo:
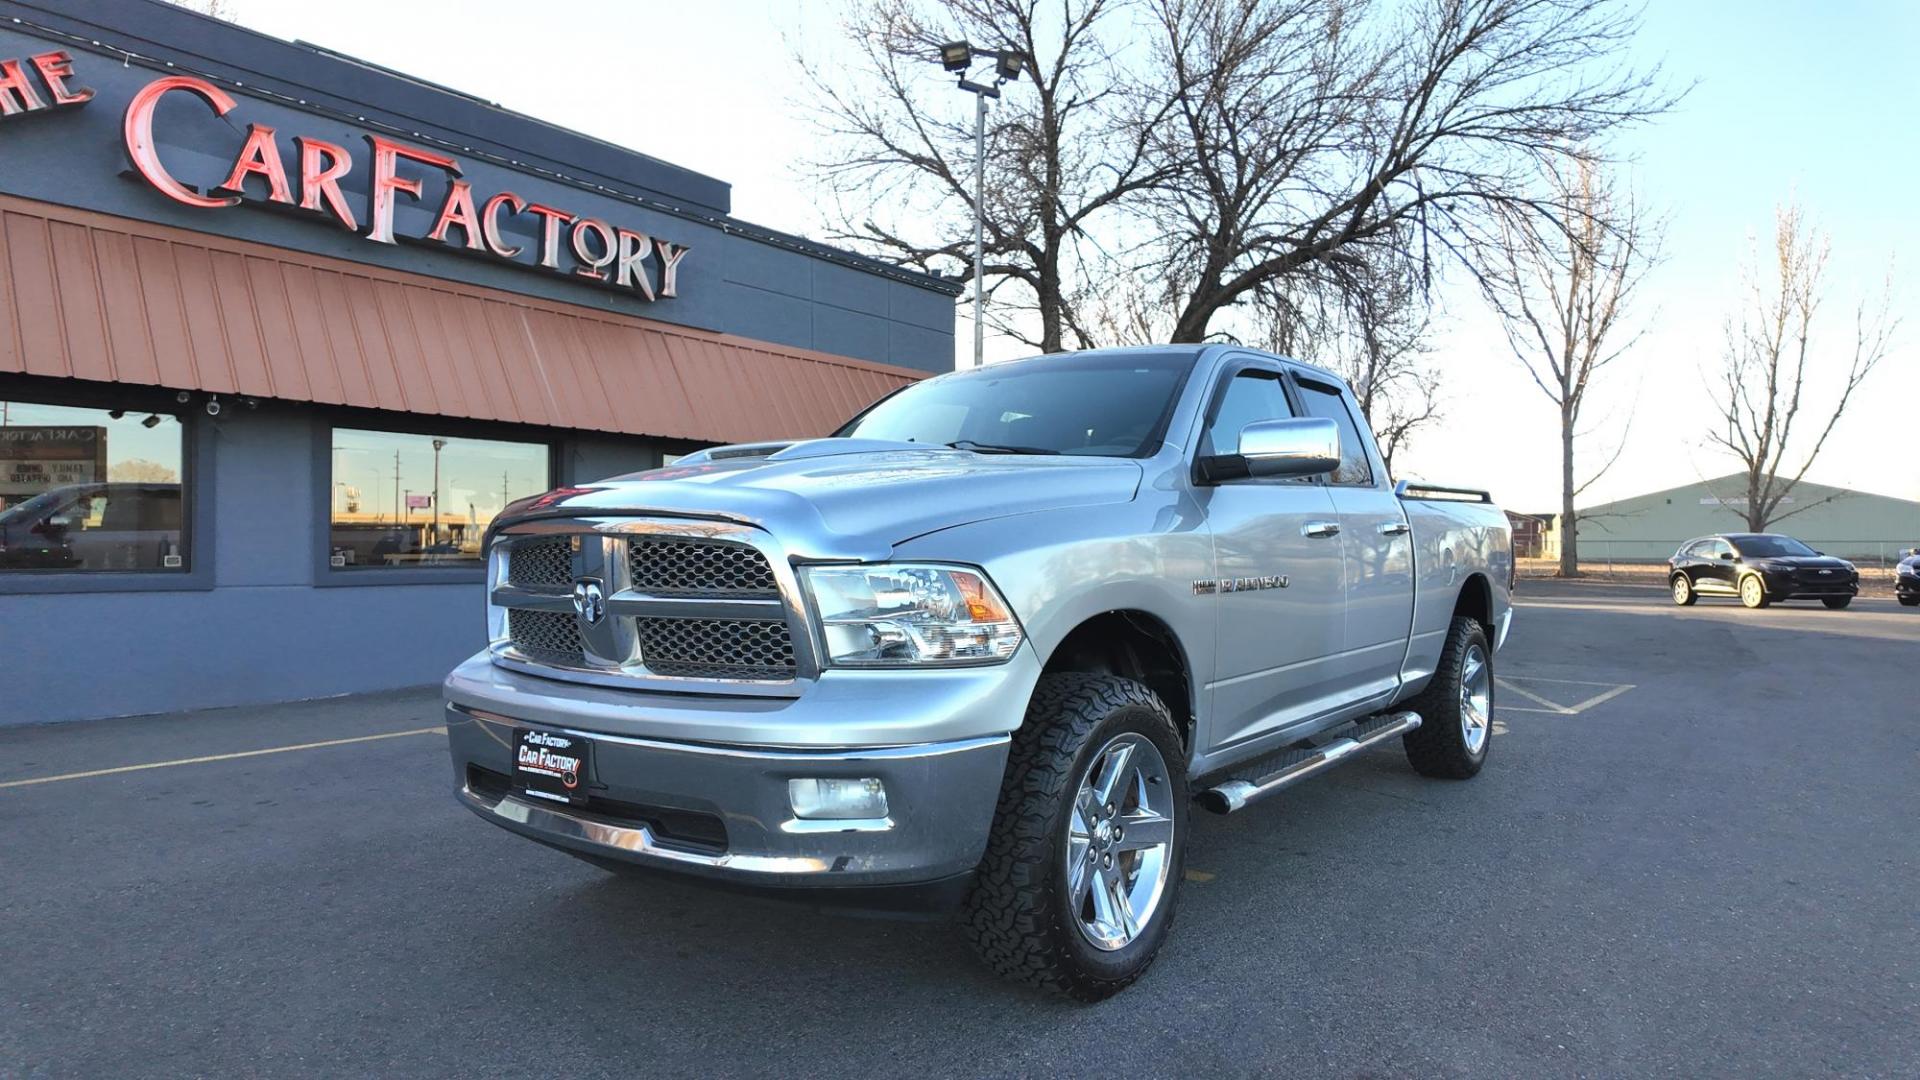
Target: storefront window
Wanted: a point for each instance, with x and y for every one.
(422, 500)
(90, 489)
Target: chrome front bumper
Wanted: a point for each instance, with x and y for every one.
(940, 800)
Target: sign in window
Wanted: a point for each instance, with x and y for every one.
(86, 489)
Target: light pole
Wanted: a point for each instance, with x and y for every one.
(438, 445)
(957, 57)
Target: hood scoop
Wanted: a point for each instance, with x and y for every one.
(797, 450)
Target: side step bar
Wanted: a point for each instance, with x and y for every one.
(1296, 765)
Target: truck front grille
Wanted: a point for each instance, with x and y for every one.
(717, 648)
(550, 637)
(544, 560)
(676, 602)
(673, 566)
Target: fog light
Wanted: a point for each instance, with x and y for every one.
(834, 799)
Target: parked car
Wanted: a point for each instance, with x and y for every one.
(1759, 568)
(1906, 579)
(96, 526)
(982, 647)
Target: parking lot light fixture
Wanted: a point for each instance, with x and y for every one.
(958, 57)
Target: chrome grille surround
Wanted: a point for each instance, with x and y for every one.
(690, 606)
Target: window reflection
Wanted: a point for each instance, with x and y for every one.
(90, 489)
(399, 500)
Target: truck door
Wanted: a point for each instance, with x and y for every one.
(1277, 589)
(1376, 546)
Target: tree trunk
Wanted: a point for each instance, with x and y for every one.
(1756, 513)
(1569, 521)
(1052, 335)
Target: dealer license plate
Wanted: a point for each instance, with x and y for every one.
(552, 766)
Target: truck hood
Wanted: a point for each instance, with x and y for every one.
(846, 498)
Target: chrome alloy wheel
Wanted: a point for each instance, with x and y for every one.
(1120, 842)
(1751, 591)
(1681, 587)
(1476, 699)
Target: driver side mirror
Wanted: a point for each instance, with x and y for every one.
(1306, 446)
(1727, 555)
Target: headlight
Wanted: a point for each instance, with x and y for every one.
(900, 614)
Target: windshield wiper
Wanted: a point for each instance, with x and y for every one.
(993, 448)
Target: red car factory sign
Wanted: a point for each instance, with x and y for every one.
(585, 249)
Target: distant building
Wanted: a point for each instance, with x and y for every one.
(1866, 528)
(1530, 533)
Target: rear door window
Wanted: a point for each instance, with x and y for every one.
(1328, 403)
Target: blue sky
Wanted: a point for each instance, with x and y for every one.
(1813, 99)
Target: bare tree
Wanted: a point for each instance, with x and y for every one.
(1311, 134)
(1562, 288)
(1763, 377)
(1369, 324)
(1064, 145)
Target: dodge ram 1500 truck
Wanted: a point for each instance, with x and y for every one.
(984, 646)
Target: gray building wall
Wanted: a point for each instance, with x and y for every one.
(1866, 528)
(261, 619)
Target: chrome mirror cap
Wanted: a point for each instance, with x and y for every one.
(1306, 446)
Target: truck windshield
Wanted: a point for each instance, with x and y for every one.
(1113, 404)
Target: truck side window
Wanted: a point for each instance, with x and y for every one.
(1251, 396)
(1327, 403)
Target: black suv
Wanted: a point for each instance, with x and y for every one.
(1759, 568)
(1906, 579)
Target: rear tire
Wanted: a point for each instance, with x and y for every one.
(1910, 601)
(1836, 602)
(1024, 914)
(1753, 592)
(1683, 593)
(1456, 708)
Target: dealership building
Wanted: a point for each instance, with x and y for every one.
(281, 331)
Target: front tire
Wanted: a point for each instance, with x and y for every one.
(1683, 593)
(1836, 602)
(1910, 601)
(1076, 891)
(1753, 592)
(1456, 708)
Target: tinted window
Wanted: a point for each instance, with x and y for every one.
(1103, 404)
(1328, 404)
(1769, 546)
(1250, 397)
(401, 500)
(90, 489)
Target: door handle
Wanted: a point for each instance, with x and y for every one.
(1320, 530)
(1395, 528)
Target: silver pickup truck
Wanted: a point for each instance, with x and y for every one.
(984, 648)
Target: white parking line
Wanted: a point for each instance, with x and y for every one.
(1555, 708)
(219, 757)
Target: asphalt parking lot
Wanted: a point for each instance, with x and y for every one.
(1693, 852)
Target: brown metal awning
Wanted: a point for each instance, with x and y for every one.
(90, 296)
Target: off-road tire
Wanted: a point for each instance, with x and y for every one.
(1016, 915)
(1684, 593)
(1438, 747)
(1761, 593)
(1836, 602)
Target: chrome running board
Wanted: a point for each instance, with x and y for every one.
(1290, 766)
